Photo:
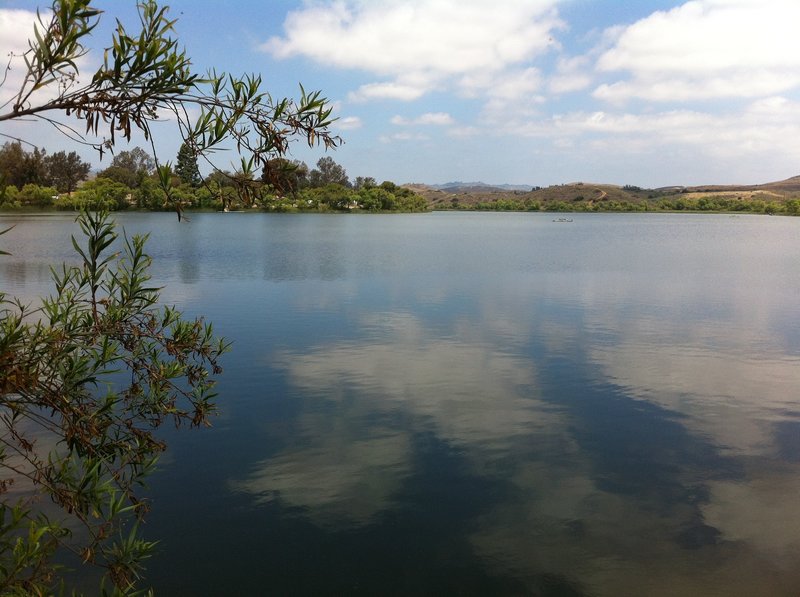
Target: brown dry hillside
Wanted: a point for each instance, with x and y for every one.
(788, 186)
(566, 193)
(446, 198)
(587, 193)
(584, 194)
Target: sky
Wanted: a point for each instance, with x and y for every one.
(532, 92)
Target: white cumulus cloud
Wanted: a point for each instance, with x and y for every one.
(416, 46)
(706, 49)
(571, 75)
(16, 27)
(430, 118)
(349, 123)
(767, 131)
(403, 137)
(392, 90)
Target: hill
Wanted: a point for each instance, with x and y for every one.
(585, 196)
(477, 187)
(790, 185)
(473, 196)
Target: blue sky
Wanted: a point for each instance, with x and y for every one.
(537, 92)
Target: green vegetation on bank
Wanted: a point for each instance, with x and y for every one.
(700, 204)
(34, 180)
(132, 181)
(581, 197)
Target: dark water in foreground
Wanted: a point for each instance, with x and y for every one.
(478, 404)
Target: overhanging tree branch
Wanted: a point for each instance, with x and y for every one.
(60, 363)
(145, 75)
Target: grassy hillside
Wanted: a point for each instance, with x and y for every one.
(775, 197)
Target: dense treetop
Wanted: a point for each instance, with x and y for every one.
(131, 181)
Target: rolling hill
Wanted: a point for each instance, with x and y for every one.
(470, 195)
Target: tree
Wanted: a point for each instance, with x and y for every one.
(65, 170)
(85, 381)
(19, 167)
(149, 195)
(33, 194)
(130, 167)
(94, 370)
(98, 194)
(334, 196)
(122, 176)
(364, 183)
(328, 172)
(219, 179)
(186, 166)
(376, 198)
(12, 160)
(136, 160)
(285, 176)
(146, 74)
(34, 167)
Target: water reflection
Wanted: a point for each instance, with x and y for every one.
(745, 404)
(359, 445)
(341, 481)
(14, 273)
(491, 405)
(575, 493)
(628, 434)
(189, 260)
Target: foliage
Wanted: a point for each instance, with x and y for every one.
(65, 170)
(186, 166)
(86, 379)
(330, 197)
(144, 74)
(34, 167)
(335, 197)
(11, 164)
(130, 167)
(62, 170)
(98, 194)
(284, 185)
(19, 167)
(328, 172)
(727, 203)
(375, 199)
(121, 175)
(136, 160)
(561, 199)
(285, 176)
(362, 182)
(8, 196)
(34, 195)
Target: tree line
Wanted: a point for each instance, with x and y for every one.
(34, 179)
(669, 204)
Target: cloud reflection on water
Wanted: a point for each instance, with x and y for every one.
(622, 391)
(737, 400)
(606, 393)
(477, 390)
(467, 394)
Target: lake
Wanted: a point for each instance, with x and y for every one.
(477, 404)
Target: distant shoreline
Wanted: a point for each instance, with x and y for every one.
(770, 210)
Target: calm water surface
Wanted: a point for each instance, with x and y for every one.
(478, 404)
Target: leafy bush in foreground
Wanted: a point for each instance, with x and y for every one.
(86, 379)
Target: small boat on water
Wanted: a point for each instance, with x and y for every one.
(563, 220)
